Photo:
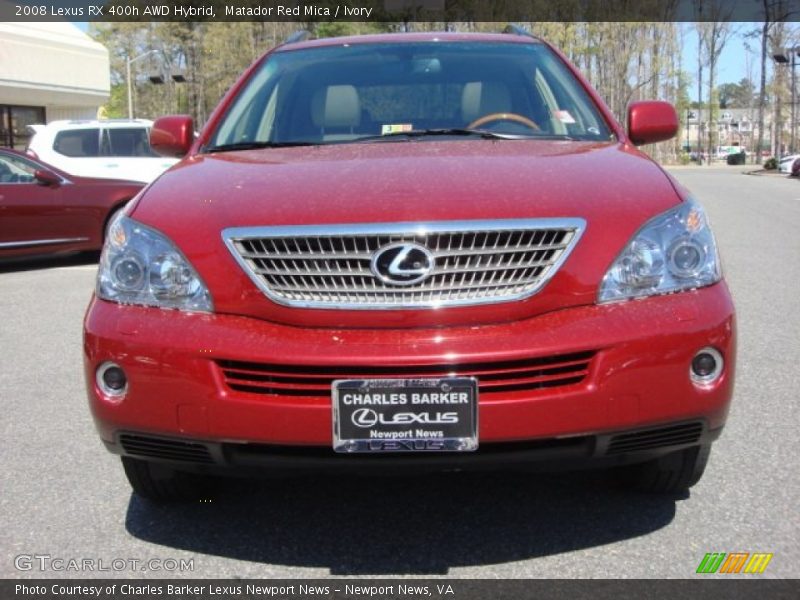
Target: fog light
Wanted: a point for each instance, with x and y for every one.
(706, 366)
(111, 379)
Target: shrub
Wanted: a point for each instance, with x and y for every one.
(771, 163)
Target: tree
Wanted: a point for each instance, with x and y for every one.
(736, 95)
(714, 33)
(699, 85)
(625, 61)
(777, 40)
(775, 11)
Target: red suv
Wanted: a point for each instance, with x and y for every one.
(411, 251)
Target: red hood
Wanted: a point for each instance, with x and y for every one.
(613, 187)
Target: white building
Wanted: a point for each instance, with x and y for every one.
(48, 71)
(736, 127)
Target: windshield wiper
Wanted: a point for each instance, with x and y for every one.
(255, 145)
(410, 134)
(417, 133)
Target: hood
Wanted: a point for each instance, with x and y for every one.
(612, 186)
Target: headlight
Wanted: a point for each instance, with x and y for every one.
(139, 265)
(673, 252)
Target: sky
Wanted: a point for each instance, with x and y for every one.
(733, 62)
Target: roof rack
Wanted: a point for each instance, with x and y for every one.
(301, 35)
(517, 29)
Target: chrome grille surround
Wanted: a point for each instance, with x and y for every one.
(476, 262)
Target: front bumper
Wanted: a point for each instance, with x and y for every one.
(555, 454)
(637, 375)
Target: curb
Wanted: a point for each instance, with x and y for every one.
(765, 172)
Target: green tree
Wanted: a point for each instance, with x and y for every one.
(736, 95)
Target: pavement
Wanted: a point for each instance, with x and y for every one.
(64, 497)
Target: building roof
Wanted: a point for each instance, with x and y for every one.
(51, 63)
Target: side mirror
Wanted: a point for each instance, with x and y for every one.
(651, 121)
(172, 136)
(45, 177)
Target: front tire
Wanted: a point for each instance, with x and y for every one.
(162, 484)
(669, 474)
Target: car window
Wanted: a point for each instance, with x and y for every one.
(78, 143)
(14, 170)
(345, 93)
(133, 141)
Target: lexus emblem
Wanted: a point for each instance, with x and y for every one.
(402, 263)
(364, 417)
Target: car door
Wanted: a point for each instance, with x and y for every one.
(128, 152)
(32, 218)
(78, 152)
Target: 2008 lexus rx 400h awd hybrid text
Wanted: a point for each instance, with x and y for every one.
(411, 251)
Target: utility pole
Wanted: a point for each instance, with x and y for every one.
(128, 63)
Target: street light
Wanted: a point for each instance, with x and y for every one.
(155, 78)
(128, 64)
(175, 76)
(789, 59)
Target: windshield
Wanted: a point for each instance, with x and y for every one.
(382, 92)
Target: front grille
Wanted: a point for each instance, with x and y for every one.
(493, 377)
(152, 447)
(675, 435)
(473, 262)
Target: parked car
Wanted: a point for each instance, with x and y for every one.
(411, 251)
(796, 167)
(43, 210)
(107, 149)
(722, 152)
(786, 163)
(737, 158)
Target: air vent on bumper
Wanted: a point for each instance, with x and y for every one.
(493, 377)
(674, 435)
(152, 447)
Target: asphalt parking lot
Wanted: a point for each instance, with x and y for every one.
(65, 497)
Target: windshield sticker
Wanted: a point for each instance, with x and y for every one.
(398, 128)
(563, 116)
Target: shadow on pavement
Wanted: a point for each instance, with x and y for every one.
(409, 526)
(11, 265)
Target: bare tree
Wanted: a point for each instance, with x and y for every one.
(775, 11)
(777, 39)
(714, 32)
(700, 34)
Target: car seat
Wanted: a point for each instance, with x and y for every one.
(481, 98)
(336, 112)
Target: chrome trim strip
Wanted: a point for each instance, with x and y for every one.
(232, 234)
(42, 242)
(707, 380)
(408, 227)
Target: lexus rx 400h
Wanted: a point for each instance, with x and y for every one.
(411, 251)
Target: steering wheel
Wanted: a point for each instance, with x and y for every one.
(500, 116)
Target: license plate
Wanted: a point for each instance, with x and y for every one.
(405, 415)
